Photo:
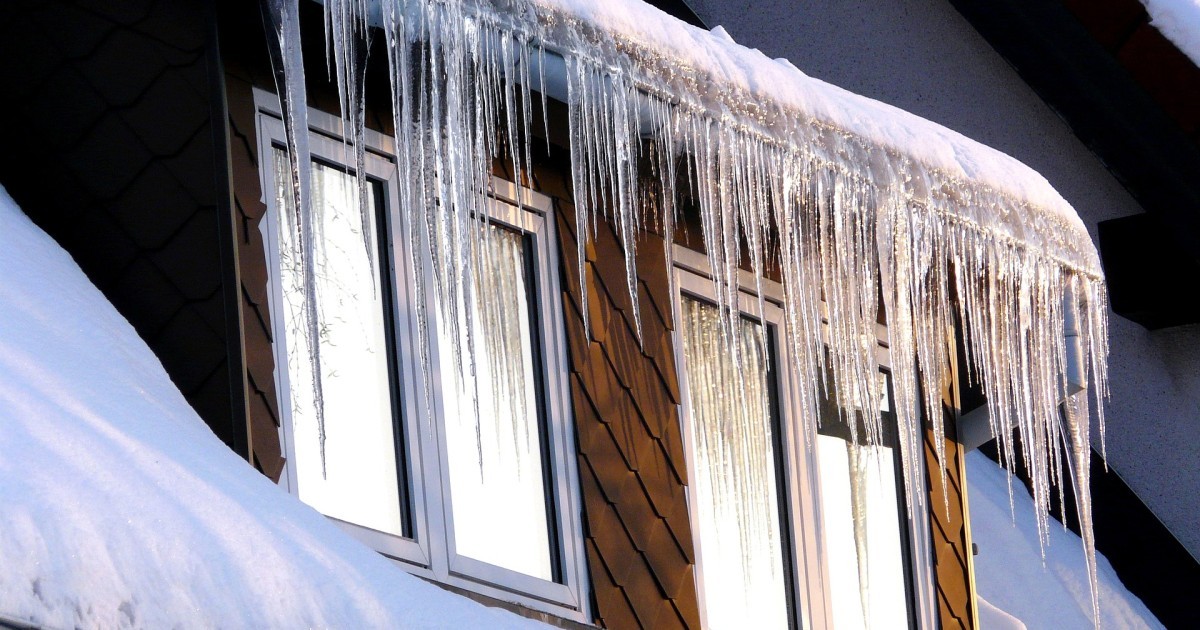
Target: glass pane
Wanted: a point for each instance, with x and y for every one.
(733, 452)
(358, 482)
(493, 437)
(863, 525)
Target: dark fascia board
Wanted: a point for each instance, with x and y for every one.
(1144, 277)
(679, 9)
(1143, 148)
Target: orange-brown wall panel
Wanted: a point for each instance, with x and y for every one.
(625, 393)
(949, 531)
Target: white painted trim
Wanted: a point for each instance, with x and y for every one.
(813, 605)
(430, 553)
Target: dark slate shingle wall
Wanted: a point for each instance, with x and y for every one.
(107, 144)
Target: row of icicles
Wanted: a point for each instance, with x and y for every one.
(464, 79)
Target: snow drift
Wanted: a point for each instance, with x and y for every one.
(1015, 589)
(122, 509)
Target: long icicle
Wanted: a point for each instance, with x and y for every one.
(288, 59)
(844, 220)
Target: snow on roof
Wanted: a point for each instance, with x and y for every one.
(1179, 21)
(122, 509)
(1013, 581)
(745, 84)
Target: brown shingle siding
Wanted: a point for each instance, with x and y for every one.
(625, 393)
(949, 532)
(657, 342)
(610, 598)
(256, 318)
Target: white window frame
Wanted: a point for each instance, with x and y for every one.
(430, 553)
(693, 276)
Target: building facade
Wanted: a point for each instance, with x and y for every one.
(167, 146)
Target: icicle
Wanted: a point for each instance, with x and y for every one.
(581, 171)
(841, 219)
(347, 43)
(288, 60)
(858, 507)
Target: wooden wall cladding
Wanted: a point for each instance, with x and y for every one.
(246, 65)
(625, 395)
(257, 335)
(949, 529)
(108, 145)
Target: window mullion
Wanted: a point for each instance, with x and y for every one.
(420, 398)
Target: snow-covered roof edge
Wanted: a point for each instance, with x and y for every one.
(853, 199)
(927, 161)
(1179, 21)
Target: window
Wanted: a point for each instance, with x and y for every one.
(493, 432)
(472, 482)
(734, 468)
(863, 513)
(777, 544)
(359, 480)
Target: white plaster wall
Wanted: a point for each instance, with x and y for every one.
(923, 56)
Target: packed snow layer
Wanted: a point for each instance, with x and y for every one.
(748, 85)
(122, 509)
(1014, 589)
(992, 618)
(1179, 21)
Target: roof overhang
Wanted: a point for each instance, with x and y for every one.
(853, 198)
(1134, 99)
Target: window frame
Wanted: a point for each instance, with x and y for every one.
(810, 601)
(421, 445)
(533, 220)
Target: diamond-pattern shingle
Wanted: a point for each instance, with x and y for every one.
(631, 458)
(113, 156)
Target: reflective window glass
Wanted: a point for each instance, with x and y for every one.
(864, 522)
(358, 479)
(494, 437)
(735, 490)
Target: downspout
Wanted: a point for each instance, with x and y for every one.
(974, 427)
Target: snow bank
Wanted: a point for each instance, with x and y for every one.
(1014, 590)
(1179, 21)
(992, 618)
(120, 508)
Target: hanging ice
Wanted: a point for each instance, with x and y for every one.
(848, 198)
(360, 484)
(735, 508)
(866, 580)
